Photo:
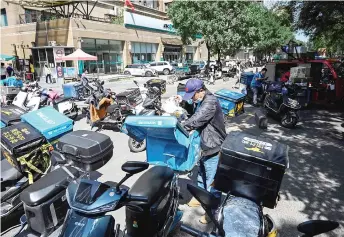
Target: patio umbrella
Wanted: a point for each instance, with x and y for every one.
(79, 55)
(4, 57)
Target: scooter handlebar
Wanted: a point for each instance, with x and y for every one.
(133, 198)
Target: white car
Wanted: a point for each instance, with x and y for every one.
(139, 70)
(162, 67)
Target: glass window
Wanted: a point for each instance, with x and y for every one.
(69, 63)
(137, 48)
(3, 19)
(153, 64)
(165, 63)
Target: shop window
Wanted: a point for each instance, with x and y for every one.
(69, 63)
(35, 57)
(50, 55)
(42, 55)
(3, 19)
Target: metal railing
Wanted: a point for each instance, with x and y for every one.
(42, 16)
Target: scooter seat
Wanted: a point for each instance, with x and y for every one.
(8, 172)
(152, 184)
(48, 186)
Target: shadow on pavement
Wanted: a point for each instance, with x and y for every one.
(316, 156)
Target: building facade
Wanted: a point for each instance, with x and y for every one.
(117, 34)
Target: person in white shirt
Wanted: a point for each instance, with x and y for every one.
(47, 73)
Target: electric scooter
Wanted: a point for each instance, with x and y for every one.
(151, 204)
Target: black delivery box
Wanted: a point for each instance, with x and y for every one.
(251, 167)
(11, 114)
(159, 83)
(18, 140)
(87, 150)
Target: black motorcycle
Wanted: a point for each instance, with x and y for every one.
(208, 200)
(151, 204)
(278, 104)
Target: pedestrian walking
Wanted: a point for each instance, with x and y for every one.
(9, 70)
(47, 73)
(3, 71)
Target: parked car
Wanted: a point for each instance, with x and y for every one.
(140, 70)
(162, 67)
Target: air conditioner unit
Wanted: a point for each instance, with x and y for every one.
(52, 43)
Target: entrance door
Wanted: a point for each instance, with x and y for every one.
(106, 58)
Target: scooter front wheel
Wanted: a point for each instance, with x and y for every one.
(289, 120)
(136, 146)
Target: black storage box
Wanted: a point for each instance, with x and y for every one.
(251, 167)
(87, 150)
(11, 114)
(159, 83)
(131, 96)
(45, 201)
(18, 140)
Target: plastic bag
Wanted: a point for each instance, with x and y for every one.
(171, 106)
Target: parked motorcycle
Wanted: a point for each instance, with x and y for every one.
(281, 106)
(64, 105)
(45, 201)
(105, 111)
(207, 200)
(151, 204)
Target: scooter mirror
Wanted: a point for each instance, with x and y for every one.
(134, 167)
(102, 83)
(136, 82)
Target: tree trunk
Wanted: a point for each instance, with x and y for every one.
(208, 62)
(218, 55)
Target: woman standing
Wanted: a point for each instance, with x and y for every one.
(47, 72)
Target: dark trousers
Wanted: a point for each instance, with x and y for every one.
(46, 78)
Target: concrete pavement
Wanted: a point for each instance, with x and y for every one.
(312, 187)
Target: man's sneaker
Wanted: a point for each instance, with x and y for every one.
(194, 203)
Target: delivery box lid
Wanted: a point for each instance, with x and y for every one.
(49, 122)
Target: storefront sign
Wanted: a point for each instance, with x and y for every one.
(58, 54)
(147, 23)
(69, 71)
(59, 71)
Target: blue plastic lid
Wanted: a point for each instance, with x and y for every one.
(229, 94)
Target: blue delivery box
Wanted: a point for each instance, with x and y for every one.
(167, 141)
(232, 103)
(49, 122)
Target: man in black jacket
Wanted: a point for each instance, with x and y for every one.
(208, 119)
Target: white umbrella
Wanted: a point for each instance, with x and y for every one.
(79, 55)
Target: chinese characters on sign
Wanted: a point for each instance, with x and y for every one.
(16, 135)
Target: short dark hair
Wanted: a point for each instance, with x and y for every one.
(2, 64)
(264, 69)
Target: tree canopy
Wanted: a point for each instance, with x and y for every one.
(227, 26)
(323, 21)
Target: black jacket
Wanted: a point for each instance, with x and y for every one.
(209, 120)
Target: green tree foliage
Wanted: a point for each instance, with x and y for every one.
(226, 26)
(323, 21)
(275, 30)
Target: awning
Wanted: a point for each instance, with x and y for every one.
(4, 57)
(79, 55)
(172, 41)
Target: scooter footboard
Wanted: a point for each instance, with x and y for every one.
(78, 225)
